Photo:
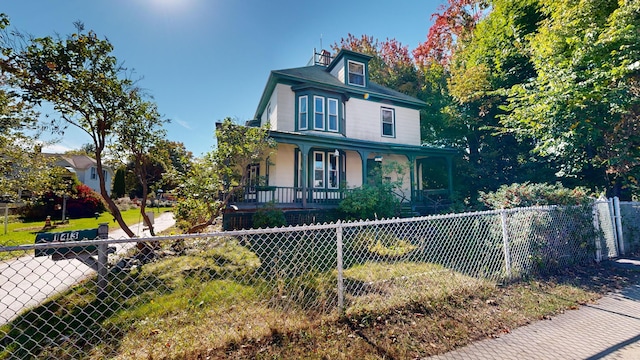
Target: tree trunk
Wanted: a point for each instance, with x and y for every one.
(113, 209)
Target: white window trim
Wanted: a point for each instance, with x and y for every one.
(336, 170)
(393, 122)
(364, 78)
(316, 112)
(323, 182)
(329, 101)
(300, 102)
(94, 173)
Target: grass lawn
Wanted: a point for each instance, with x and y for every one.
(19, 233)
(211, 302)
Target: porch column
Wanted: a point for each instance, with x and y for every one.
(412, 175)
(364, 155)
(304, 152)
(450, 174)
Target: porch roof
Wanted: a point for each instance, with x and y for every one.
(344, 143)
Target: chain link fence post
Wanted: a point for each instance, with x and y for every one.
(340, 267)
(596, 225)
(505, 241)
(618, 225)
(103, 233)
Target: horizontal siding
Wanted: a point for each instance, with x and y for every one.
(266, 116)
(363, 122)
(281, 171)
(354, 169)
(286, 108)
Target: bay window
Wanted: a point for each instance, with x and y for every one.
(302, 112)
(318, 120)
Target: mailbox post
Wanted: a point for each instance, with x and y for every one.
(83, 253)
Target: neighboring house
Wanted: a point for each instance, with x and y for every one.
(333, 126)
(86, 170)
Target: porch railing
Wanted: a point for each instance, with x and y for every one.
(287, 195)
(431, 201)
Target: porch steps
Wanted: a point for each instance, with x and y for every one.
(406, 210)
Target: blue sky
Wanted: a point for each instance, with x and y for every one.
(204, 60)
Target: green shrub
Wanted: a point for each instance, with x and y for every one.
(269, 216)
(82, 202)
(533, 194)
(370, 202)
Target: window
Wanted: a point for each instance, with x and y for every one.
(318, 120)
(356, 73)
(104, 173)
(317, 112)
(302, 112)
(332, 115)
(94, 173)
(318, 169)
(388, 122)
(253, 174)
(333, 172)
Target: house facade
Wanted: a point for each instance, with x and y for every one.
(333, 127)
(86, 170)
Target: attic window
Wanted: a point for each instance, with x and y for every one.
(356, 73)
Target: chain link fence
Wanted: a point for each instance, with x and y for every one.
(630, 214)
(240, 285)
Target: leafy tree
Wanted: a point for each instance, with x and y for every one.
(138, 132)
(119, 187)
(86, 149)
(22, 165)
(491, 60)
(452, 25)
(81, 78)
(212, 181)
(582, 105)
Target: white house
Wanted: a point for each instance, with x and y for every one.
(332, 126)
(86, 170)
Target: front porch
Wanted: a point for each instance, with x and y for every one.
(316, 172)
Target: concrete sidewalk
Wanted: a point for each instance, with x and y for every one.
(609, 329)
(27, 281)
(161, 222)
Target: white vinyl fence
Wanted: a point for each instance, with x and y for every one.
(240, 284)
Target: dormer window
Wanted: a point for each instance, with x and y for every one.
(356, 73)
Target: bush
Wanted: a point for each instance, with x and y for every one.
(532, 194)
(125, 203)
(85, 203)
(269, 216)
(82, 202)
(551, 239)
(370, 202)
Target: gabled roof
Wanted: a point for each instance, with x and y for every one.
(318, 76)
(79, 161)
